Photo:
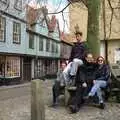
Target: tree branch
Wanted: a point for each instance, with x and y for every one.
(61, 10)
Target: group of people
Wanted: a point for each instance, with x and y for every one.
(87, 74)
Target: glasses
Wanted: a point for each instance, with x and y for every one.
(100, 60)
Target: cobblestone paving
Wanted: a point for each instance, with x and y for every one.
(18, 108)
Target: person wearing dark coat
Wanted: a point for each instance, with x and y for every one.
(83, 82)
(101, 78)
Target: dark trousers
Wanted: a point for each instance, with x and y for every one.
(76, 98)
(57, 90)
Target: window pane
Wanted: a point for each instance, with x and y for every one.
(2, 65)
(2, 28)
(12, 67)
(31, 41)
(40, 44)
(16, 32)
(56, 48)
(52, 46)
(47, 45)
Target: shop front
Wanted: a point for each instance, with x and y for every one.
(45, 68)
(10, 70)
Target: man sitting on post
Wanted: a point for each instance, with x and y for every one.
(76, 58)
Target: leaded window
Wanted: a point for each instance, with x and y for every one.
(2, 28)
(16, 32)
(31, 41)
(40, 44)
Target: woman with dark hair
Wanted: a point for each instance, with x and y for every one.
(101, 78)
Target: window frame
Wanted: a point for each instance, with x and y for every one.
(57, 47)
(53, 47)
(48, 45)
(41, 41)
(12, 66)
(33, 44)
(15, 32)
(4, 29)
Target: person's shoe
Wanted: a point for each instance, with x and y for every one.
(102, 106)
(73, 109)
(54, 105)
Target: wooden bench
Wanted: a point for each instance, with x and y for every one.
(116, 92)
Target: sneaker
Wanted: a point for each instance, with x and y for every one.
(53, 105)
(102, 106)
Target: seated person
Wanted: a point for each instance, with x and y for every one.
(100, 81)
(59, 84)
(84, 77)
(86, 73)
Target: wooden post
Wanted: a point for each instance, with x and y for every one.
(37, 104)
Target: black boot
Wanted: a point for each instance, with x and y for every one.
(73, 109)
(102, 106)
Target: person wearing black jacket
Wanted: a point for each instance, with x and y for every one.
(101, 78)
(83, 82)
(76, 58)
(86, 73)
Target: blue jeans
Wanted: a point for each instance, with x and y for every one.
(96, 89)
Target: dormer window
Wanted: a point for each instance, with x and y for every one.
(18, 5)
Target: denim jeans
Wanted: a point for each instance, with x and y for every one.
(96, 89)
(71, 69)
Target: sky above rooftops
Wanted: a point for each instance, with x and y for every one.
(54, 6)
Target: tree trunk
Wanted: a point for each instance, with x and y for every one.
(93, 26)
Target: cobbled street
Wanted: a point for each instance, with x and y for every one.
(15, 105)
